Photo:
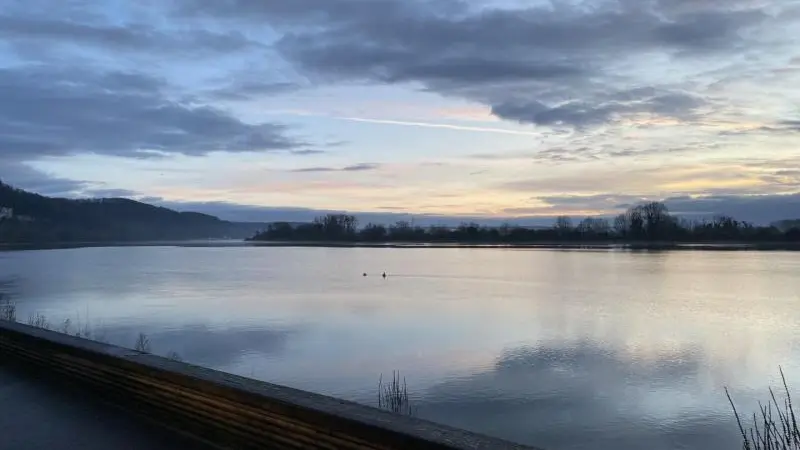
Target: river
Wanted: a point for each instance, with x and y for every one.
(563, 349)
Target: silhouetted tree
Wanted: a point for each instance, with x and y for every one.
(563, 223)
(622, 226)
(594, 227)
(470, 232)
(337, 226)
(636, 223)
(401, 231)
(656, 221)
(280, 230)
(440, 234)
(649, 221)
(563, 228)
(373, 232)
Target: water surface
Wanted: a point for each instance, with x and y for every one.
(557, 348)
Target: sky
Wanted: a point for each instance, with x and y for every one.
(487, 109)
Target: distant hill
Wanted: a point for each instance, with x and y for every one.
(29, 217)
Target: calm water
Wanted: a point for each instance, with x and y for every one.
(561, 349)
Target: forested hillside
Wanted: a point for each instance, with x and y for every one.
(29, 217)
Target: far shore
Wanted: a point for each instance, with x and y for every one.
(571, 245)
(600, 245)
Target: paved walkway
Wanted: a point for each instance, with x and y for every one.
(37, 415)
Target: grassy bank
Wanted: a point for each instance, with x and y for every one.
(77, 328)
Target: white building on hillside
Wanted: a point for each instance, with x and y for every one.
(6, 213)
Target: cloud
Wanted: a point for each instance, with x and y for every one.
(655, 179)
(242, 213)
(59, 111)
(567, 154)
(594, 202)
(315, 169)
(441, 125)
(25, 177)
(361, 167)
(632, 81)
(599, 111)
(247, 89)
(550, 54)
(307, 152)
(383, 215)
(20, 26)
(110, 193)
(503, 156)
(760, 209)
(781, 127)
(87, 78)
(793, 125)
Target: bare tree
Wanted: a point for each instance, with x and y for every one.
(622, 225)
(656, 219)
(594, 226)
(337, 225)
(563, 224)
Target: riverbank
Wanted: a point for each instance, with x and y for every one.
(544, 245)
(573, 245)
(6, 246)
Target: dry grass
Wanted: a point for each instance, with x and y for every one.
(393, 396)
(142, 343)
(79, 329)
(174, 356)
(774, 426)
(38, 320)
(8, 309)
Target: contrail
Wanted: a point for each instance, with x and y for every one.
(439, 125)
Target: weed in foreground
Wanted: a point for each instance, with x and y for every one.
(774, 426)
(393, 396)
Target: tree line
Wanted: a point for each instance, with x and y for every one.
(649, 222)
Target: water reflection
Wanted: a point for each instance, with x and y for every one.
(562, 349)
(204, 345)
(585, 396)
